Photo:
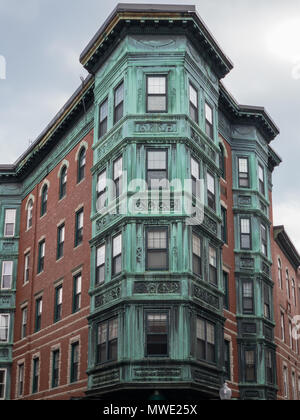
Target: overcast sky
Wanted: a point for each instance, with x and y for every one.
(41, 40)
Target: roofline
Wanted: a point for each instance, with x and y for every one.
(286, 245)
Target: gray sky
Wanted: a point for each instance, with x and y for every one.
(41, 41)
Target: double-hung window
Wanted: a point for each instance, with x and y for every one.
(35, 375)
(55, 368)
(29, 214)
(100, 266)
(269, 366)
(213, 272)
(194, 107)
(74, 374)
(197, 264)
(81, 165)
(9, 222)
(209, 122)
(58, 303)
(4, 325)
(264, 242)
(101, 190)
(261, 179)
(245, 233)
(20, 389)
(247, 297)
(41, 256)
(205, 332)
(224, 225)
(117, 175)
(60, 241)
(244, 181)
(267, 306)
(119, 102)
(117, 254)
(157, 248)
(211, 191)
(63, 182)
(26, 267)
(7, 275)
(2, 384)
(77, 282)
(157, 173)
(195, 175)
(44, 200)
(24, 322)
(38, 314)
(79, 227)
(157, 330)
(250, 365)
(107, 341)
(157, 94)
(103, 116)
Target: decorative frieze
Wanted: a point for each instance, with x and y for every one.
(206, 149)
(108, 297)
(247, 263)
(150, 288)
(105, 378)
(156, 127)
(109, 143)
(146, 373)
(205, 296)
(210, 224)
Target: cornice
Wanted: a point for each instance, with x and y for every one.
(287, 246)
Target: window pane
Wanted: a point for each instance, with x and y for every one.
(156, 85)
(118, 168)
(119, 95)
(212, 257)
(243, 165)
(193, 96)
(195, 168)
(157, 239)
(101, 255)
(200, 329)
(113, 329)
(245, 225)
(117, 245)
(208, 113)
(157, 159)
(104, 111)
(157, 103)
(196, 246)
(210, 183)
(157, 260)
(101, 181)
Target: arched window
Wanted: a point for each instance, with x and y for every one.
(288, 284)
(222, 161)
(29, 214)
(44, 200)
(280, 273)
(81, 165)
(63, 182)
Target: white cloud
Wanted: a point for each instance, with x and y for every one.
(286, 212)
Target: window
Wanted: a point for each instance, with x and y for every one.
(117, 175)
(211, 196)
(294, 292)
(157, 248)
(157, 94)
(194, 110)
(20, 380)
(224, 225)
(81, 165)
(227, 360)
(2, 384)
(100, 270)
(107, 341)
(264, 243)
(60, 241)
(285, 382)
(197, 265)
(79, 227)
(101, 190)
(29, 214)
(213, 275)
(250, 366)
(55, 368)
(222, 161)
(74, 376)
(38, 314)
(77, 282)
(195, 175)
(282, 326)
(103, 114)
(157, 334)
(117, 255)
(245, 238)
(294, 386)
(44, 200)
(247, 297)
(290, 335)
(26, 268)
(7, 274)
(226, 290)
(267, 306)
(10, 222)
(157, 173)
(205, 340)
(41, 256)
(58, 303)
(269, 367)
(4, 324)
(209, 129)
(288, 292)
(24, 322)
(280, 273)
(63, 182)
(119, 103)
(261, 179)
(243, 164)
(35, 375)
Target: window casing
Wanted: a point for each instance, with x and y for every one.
(10, 223)
(44, 200)
(261, 179)
(280, 273)
(60, 241)
(4, 328)
(194, 107)
(294, 292)
(157, 94)
(288, 291)
(264, 242)
(195, 175)
(38, 314)
(117, 176)
(157, 249)
(24, 322)
(117, 254)
(41, 256)
(269, 366)
(35, 375)
(29, 214)
(285, 382)
(55, 368)
(227, 360)
(157, 334)
(245, 233)
(250, 365)
(77, 284)
(213, 272)
(58, 303)
(100, 265)
(224, 225)
(63, 182)
(3, 373)
(7, 275)
(197, 255)
(282, 326)
(267, 306)
(81, 165)
(209, 121)
(119, 102)
(79, 227)
(211, 191)
(74, 374)
(205, 334)
(101, 190)
(157, 173)
(226, 290)
(26, 267)
(243, 166)
(107, 341)
(103, 118)
(247, 297)
(222, 162)
(20, 389)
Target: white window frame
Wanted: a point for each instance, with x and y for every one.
(7, 316)
(11, 275)
(4, 384)
(10, 220)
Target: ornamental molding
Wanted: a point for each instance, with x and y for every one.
(205, 296)
(108, 297)
(153, 288)
(156, 127)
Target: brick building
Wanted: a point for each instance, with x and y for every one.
(111, 303)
